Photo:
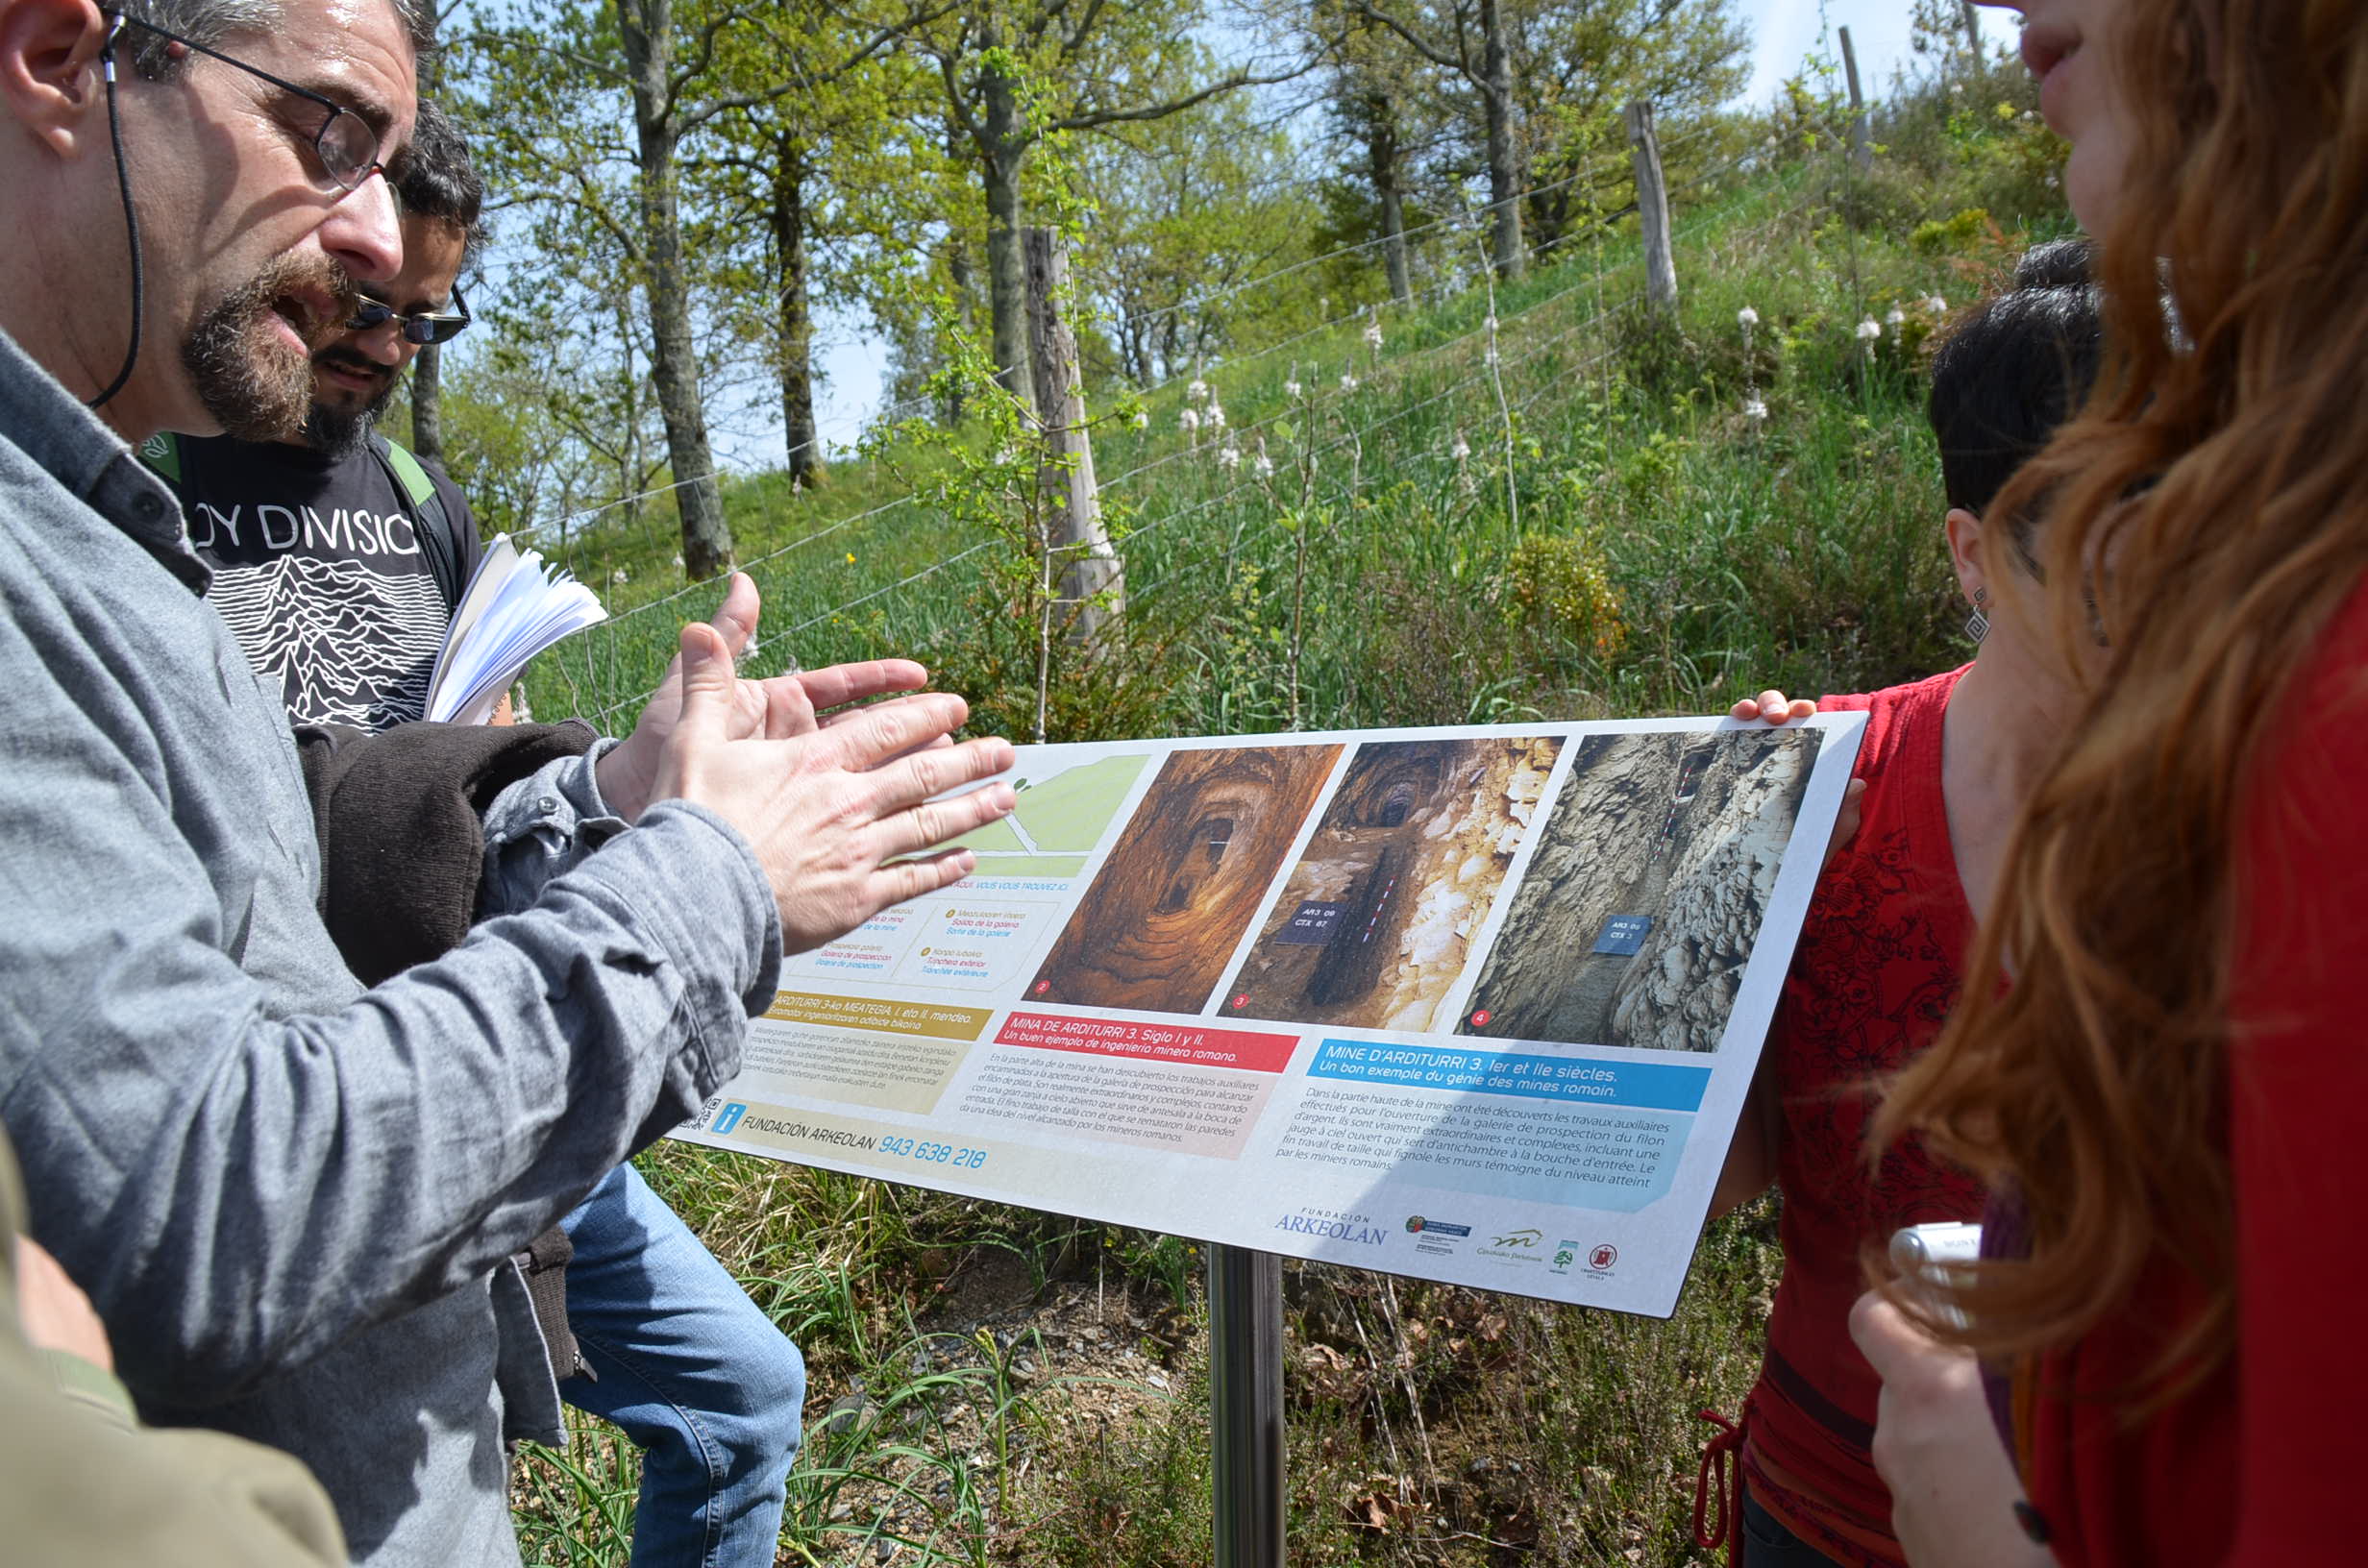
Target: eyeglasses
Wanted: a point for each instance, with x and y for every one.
(346, 144)
(419, 327)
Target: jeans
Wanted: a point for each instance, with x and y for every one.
(1768, 1544)
(693, 1373)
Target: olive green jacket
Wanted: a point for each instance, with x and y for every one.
(83, 1484)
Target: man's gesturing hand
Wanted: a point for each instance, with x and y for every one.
(829, 811)
(780, 707)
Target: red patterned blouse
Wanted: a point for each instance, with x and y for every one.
(1874, 976)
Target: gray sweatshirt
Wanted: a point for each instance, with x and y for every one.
(285, 1192)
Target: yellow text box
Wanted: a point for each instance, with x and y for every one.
(932, 1020)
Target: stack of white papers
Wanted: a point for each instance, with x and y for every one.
(515, 607)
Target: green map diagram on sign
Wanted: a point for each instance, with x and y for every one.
(1060, 818)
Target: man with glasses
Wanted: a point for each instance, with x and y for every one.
(339, 558)
(338, 569)
(285, 1191)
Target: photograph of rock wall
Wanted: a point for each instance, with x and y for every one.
(1164, 914)
(1376, 919)
(1638, 912)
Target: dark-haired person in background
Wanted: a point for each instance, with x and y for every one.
(338, 569)
(1945, 761)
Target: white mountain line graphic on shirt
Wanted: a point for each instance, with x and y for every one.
(348, 645)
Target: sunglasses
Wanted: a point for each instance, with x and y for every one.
(419, 327)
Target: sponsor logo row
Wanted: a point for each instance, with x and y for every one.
(1525, 1247)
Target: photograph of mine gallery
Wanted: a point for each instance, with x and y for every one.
(1634, 920)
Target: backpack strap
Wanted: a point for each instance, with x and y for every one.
(436, 540)
(161, 452)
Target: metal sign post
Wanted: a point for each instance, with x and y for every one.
(1246, 1405)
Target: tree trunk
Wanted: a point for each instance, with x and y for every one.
(1000, 161)
(1093, 579)
(646, 31)
(796, 312)
(1504, 174)
(959, 278)
(428, 403)
(1653, 212)
(1381, 152)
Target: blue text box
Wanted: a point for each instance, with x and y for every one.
(1653, 1086)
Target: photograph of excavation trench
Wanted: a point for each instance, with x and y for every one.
(1376, 922)
(1185, 878)
(1634, 921)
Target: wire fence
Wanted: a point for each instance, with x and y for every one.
(606, 658)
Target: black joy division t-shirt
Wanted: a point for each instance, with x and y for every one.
(320, 570)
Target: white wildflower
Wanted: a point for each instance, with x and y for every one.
(1291, 388)
(1755, 409)
(1229, 457)
(1142, 419)
(1869, 330)
(1372, 334)
(2053, 182)
(1262, 465)
(677, 560)
(1461, 449)
(617, 578)
(1215, 416)
(1190, 421)
(1897, 318)
(1747, 318)
(1199, 391)
(1349, 380)
(1938, 305)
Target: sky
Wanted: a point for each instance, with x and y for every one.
(1784, 34)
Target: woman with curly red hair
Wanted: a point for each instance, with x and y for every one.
(2158, 1063)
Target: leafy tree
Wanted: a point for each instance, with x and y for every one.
(1472, 39)
(1186, 208)
(820, 166)
(1579, 63)
(1016, 74)
(1387, 120)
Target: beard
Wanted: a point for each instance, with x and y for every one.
(340, 432)
(260, 389)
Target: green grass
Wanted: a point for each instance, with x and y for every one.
(1670, 554)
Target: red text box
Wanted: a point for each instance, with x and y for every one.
(1180, 1044)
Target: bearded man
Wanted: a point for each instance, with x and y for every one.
(286, 1191)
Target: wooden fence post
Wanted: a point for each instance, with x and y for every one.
(1653, 212)
(1862, 150)
(1973, 32)
(1094, 570)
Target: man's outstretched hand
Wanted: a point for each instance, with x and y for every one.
(828, 808)
(791, 704)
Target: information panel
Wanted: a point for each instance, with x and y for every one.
(1476, 1004)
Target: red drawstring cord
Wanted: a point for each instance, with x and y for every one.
(1721, 1476)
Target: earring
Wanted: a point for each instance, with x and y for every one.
(1977, 625)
